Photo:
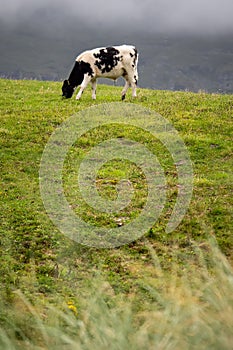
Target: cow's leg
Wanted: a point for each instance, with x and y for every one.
(133, 82)
(134, 88)
(93, 85)
(127, 85)
(85, 82)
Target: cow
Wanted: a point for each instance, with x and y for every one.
(105, 62)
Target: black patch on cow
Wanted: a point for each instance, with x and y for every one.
(124, 73)
(77, 74)
(135, 55)
(107, 59)
(85, 68)
(76, 77)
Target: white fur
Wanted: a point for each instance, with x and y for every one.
(125, 65)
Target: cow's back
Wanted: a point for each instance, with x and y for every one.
(110, 62)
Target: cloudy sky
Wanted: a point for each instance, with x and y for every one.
(191, 16)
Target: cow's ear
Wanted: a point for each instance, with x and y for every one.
(66, 83)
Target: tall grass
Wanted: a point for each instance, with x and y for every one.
(190, 308)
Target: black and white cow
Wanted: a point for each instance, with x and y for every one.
(107, 62)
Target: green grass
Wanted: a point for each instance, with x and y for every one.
(56, 275)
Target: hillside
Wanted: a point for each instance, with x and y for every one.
(40, 50)
(58, 293)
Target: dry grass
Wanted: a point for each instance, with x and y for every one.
(188, 309)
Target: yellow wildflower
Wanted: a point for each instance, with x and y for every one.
(72, 307)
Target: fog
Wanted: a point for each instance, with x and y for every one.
(210, 17)
(182, 44)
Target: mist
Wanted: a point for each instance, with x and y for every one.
(202, 17)
(182, 44)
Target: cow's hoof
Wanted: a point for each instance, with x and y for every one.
(122, 97)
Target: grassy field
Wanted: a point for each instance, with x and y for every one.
(163, 291)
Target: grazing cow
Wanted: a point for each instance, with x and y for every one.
(107, 62)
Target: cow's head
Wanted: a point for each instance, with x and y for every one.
(67, 89)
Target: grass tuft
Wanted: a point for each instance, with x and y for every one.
(188, 309)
